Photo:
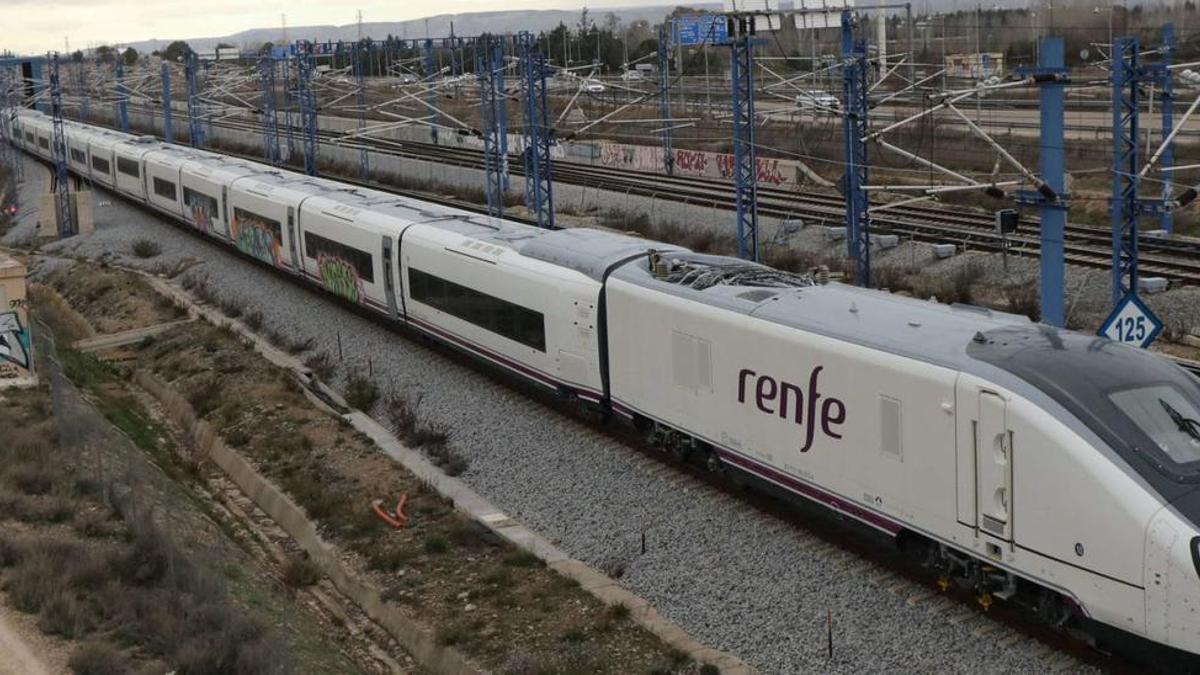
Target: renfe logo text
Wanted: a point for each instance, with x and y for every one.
(778, 397)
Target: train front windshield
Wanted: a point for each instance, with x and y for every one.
(1166, 415)
(1141, 405)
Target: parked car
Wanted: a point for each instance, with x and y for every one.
(818, 101)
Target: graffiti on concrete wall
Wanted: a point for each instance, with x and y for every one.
(692, 162)
(768, 170)
(636, 157)
(340, 277)
(775, 172)
(14, 341)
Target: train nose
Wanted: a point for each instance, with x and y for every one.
(1172, 579)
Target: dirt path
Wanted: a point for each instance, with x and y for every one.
(26, 651)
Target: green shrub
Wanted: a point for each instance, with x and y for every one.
(301, 572)
(436, 545)
(361, 392)
(98, 658)
(145, 248)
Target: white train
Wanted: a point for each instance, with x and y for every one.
(1039, 465)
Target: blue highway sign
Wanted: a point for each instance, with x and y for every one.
(693, 31)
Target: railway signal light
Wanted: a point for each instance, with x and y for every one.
(1007, 221)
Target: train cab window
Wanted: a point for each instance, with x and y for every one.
(29, 137)
(502, 317)
(315, 245)
(164, 188)
(100, 164)
(1165, 414)
(129, 167)
(44, 143)
(78, 156)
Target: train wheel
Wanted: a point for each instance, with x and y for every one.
(713, 463)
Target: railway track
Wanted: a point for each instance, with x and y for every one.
(1176, 259)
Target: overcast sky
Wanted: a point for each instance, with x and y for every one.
(35, 26)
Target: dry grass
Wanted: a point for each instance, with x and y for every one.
(433, 439)
(333, 473)
(113, 579)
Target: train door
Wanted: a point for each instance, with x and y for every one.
(389, 277)
(993, 467)
(291, 231)
(225, 210)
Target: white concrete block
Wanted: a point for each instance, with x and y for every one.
(1155, 234)
(1152, 285)
(885, 241)
(835, 233)
(944, 250)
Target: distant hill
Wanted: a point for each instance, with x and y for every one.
(475, 23)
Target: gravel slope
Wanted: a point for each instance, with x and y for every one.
(735, 578)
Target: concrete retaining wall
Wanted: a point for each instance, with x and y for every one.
(567, 198)
(416, 639)
(467, 500)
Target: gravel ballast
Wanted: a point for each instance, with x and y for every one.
(737, 579)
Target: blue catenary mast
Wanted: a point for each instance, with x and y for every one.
(855, 130)
(266, 74)
(664, 95)
(745, 160)
(308, 107)
(539, 184)
(61, 187)
(168, 125)
(122, 108)
(1125, 205)
(360, 66)
(490, 70)
(195, 112)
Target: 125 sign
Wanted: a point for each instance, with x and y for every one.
(1132, 323)
(1131, 329)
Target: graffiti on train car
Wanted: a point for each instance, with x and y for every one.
(201, 207)
(257, 235)
(340, 278)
